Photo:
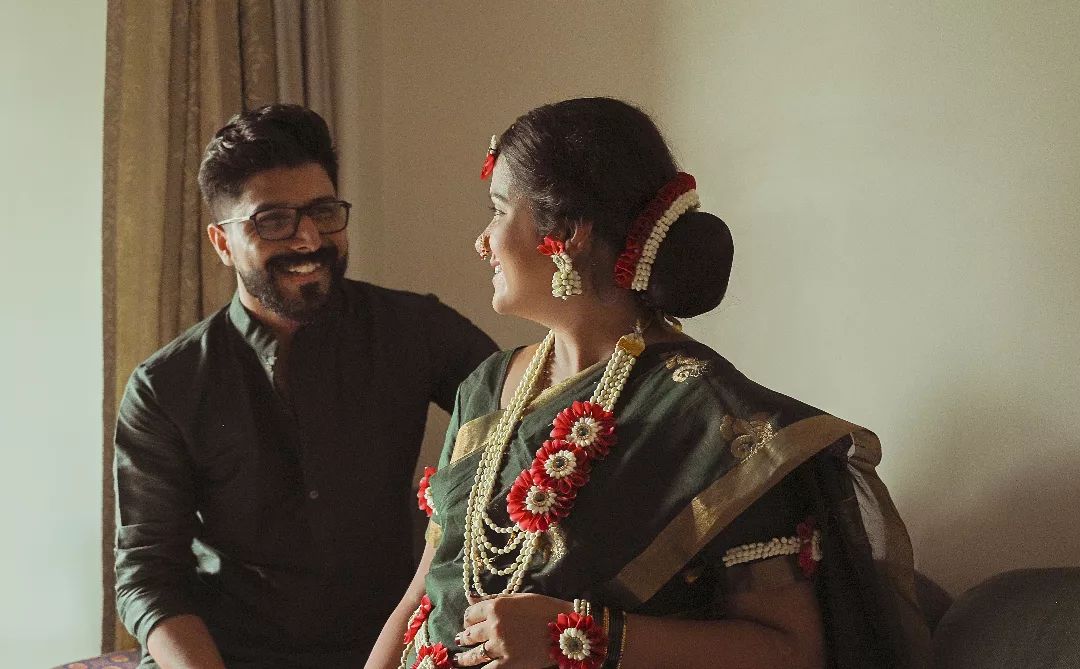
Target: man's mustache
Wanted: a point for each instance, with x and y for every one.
(327, 255)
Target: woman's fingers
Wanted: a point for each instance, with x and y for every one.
(471, 635)
(476, 656)
(477, 612)
(508, 631)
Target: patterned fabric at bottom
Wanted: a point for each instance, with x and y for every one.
(121, 659)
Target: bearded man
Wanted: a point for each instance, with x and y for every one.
(264, 457)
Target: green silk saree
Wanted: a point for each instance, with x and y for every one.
(705, 461)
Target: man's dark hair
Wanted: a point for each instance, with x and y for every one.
(274, 135)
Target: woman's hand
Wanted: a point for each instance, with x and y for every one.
(512, 629)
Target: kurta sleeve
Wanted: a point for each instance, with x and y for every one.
(457, 348)
(156, 518)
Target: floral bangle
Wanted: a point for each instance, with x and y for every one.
(435, 657)
(577, 642)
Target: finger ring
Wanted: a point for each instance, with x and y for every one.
(483, 652)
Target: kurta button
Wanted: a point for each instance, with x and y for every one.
(314, 494)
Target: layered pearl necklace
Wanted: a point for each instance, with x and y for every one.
(543, 494)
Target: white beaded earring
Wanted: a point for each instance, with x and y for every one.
(566, 281)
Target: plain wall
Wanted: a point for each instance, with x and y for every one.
(903, 186)
(52, 56)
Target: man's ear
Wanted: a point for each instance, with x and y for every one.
(220, 241)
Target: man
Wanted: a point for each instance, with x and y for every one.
(264, 457)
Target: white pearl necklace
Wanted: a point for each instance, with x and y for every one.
(480, 554)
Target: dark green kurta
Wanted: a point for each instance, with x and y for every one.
(275, 520)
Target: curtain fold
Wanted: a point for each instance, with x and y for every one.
(176, 70)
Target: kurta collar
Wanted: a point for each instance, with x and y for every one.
(261, 338)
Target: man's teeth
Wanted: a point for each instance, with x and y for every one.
(304, 268)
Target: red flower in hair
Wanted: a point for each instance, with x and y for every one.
(577, 642)
(423, 494)
(810, 546)
(560, 465)
(432, 657)
(489, 166)
(625, 267)
(535, 507)
(588, 426)
(418, 618)
(551, 246)
(642, 226)
(489, 160)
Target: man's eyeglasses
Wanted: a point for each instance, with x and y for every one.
(279, 223)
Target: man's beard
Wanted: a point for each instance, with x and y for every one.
(311, 298)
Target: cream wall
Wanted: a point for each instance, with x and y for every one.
(903, 185)
(52, 59)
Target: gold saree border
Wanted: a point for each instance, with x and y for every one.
(433, 533)
(713, 509)
(471, 435)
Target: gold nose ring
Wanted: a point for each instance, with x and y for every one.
(481, 247)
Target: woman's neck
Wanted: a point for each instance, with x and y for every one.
(587, 335)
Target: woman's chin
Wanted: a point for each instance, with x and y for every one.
(502, 304)
(499, 306)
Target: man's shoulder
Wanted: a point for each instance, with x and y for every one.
(395, 308)
(372, 295)
(189, 346)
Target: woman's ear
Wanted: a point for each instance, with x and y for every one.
(579, 237)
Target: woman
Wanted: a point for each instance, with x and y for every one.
(619, 495)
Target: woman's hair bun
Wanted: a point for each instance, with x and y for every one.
(692, 267)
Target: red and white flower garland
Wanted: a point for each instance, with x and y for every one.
(544, 494)
(428, 655)
(810, 554)
(423, 493)
(432, 657)
(806, 544)
(418, 618)
(634, 265)
(577, 642)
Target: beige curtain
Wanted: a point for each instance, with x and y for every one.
(176, 70)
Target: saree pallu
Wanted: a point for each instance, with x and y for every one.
(705, 460)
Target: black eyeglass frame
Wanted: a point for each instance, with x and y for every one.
(298, 213)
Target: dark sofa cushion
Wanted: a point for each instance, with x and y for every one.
(1028, 618)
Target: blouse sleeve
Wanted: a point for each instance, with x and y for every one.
(771, 544)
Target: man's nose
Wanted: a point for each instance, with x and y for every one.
(307, 234)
